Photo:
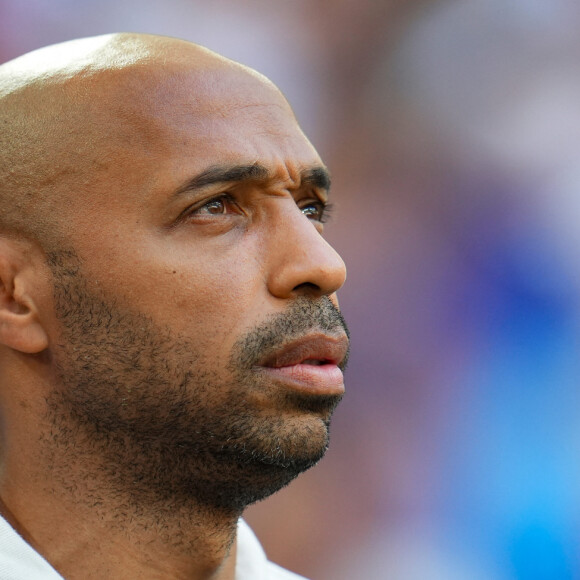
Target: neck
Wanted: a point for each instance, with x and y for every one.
(85, 531)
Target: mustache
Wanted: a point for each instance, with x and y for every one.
(304, 316)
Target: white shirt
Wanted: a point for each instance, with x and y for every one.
(18, 561)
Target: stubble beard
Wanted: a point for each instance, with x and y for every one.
(144, 416)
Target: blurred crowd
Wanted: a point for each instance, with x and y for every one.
(452, 130)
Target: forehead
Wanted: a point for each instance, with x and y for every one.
(151, 124)
(195, 118)
(94, 130)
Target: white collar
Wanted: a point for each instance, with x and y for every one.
(19, 561)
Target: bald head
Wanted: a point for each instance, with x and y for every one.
(73, 113)
(170, 342)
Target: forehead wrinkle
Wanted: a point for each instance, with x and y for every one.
(292, 178)
(317, 177)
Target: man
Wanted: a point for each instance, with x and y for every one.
(170, 344)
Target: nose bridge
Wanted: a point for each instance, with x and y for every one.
(301, 259)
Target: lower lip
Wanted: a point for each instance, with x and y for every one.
(316, 379)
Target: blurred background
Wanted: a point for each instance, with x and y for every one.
(452, 129)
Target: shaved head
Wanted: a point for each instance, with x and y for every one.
(69, 113)
(171, 348)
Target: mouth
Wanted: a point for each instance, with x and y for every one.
(312, 364)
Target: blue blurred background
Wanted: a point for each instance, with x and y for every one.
(452, 129)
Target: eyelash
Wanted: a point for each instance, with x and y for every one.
(324, 209)
(225, 198)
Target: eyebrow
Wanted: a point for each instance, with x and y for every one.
(317, 177)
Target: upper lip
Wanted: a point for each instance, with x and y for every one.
(320, 347)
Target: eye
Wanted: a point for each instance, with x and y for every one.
(213, 207)
(221, 205)
(316, 211)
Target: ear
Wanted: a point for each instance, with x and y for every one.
(20, 325)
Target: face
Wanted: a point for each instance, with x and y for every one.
(196, 338)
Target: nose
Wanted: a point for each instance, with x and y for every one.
(301, 261)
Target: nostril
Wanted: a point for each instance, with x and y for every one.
(308, 287)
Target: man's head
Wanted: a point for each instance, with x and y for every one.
(168, 302)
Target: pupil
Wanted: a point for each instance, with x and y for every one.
(216, 207)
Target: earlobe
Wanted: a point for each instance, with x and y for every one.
(20, 326)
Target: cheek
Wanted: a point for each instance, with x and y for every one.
(209, 300)
(209, 290)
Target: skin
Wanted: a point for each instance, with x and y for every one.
(118, 242)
